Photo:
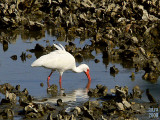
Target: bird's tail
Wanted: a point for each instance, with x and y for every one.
(60, 47)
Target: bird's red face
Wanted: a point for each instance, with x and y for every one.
(88, 75)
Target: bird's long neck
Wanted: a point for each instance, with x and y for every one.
(77, 69)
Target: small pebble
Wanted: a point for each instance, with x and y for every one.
(14, 57)
(59, 102)
(41, 84)
(96, 61)
(29, 56)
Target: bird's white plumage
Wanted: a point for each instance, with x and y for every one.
(57, 60)
(60, 60)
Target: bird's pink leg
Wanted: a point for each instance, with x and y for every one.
(49, 79)
(60, 82)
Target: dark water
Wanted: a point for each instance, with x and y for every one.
(20, 72)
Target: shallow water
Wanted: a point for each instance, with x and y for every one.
(20, 72)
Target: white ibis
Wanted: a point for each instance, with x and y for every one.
(60, 60)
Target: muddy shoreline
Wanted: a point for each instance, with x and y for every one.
(126, 31)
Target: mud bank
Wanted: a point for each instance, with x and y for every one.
(116, 103)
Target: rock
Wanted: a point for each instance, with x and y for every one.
(78, 109)
(137, 67)
(29, 56)
(91, 92)
(14, 57)
(150, 97)
(17, 87)
(53, 89)
(48, 107)
(5, 45)
(99, 91)
(105, 91)
(41, 84)
(113, 91)
(142, 50)
(34, 110)
(151, 76)
(114, 70)
(96, 61)
(5, 101)
(59, 117)
(35, 26)
(99, 86)
(132, 76)
(50, 117)
(127, 27)
(72, 117)
(102, 118)
(7, 114)
(30, 108)
(6, 19)
(121, 93)
(79, 56)
(40, 109)
(120, 106)
(145, 76)
(32, 115)
(137, 93)
(128, 54)
(88, 113)
(138, 109)
(10, 98)
(24, 100)
(25, 91)
(126, 104)
(59, 102)
(6, 87)
(102, 90)
(23, 56)
(135, 40)
(91, 104)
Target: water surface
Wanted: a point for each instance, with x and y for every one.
(20, 72)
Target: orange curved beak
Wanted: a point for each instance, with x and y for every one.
(88, 75)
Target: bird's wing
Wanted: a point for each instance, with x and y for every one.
(60, 47)
(58, 59)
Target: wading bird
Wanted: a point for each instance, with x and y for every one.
(60, 60)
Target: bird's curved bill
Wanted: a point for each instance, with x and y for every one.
(88, 75)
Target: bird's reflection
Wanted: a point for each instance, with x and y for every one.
(5, 45)
(76, 95)
(51, 91)
(88, 85)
